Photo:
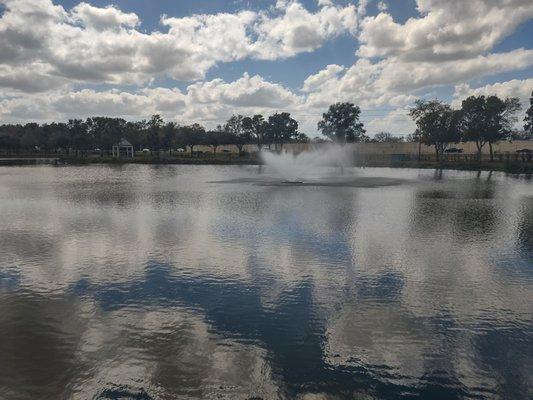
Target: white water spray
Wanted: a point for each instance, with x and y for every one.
(308, 165)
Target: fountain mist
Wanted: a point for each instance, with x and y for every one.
(308, 165)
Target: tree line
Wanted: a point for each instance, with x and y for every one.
(482, 119)
(101, 133)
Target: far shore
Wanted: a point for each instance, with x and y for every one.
(508, 166)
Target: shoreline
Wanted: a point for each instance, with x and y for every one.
(517, 167)
(513, 167)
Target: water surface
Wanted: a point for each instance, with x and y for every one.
(161, 282)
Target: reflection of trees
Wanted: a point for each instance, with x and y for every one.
(465, 211)
(429, 213)
(120, 195)
(354, 305)
(480, 190)
(474, 220)
(525, 227)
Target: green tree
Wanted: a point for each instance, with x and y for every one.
(105, 131)
(154, 131)
(302, 138)
(341, 123)
(191, 136)
(30, 136)
(283, 128)
(488, 120)
(256, 128)
(45, 137)
(214, 139)
(238, 132)
(528, 126)
(437, 124)
(60, 136)
(79, 137)
(386, 137)
(169, 135)
(136, 133)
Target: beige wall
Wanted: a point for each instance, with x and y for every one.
(391, 148)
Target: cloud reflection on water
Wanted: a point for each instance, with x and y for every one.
(153, 278)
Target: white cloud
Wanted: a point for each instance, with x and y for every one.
(32, 78)
(298, 30)
(103, 18)
(520, 88)
(397, 122)
(245, 92)
(315, 81)
(46, 51)
(105, 45)
(394, 82)
(398, 75)
(88, 102)
(205, 102)
(447, 30)
(382, 6)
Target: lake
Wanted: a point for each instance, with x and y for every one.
(163, 282)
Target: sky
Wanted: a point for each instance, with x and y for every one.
(202, 61)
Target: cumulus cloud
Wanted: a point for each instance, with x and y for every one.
(205, 102)
(397, 122)
(364, 83)
(392, 81)
(298, 30)
(520, 88)
(315, 81)
(103, 18)
(245, 92)
(105, 45)
(448, 44)
(50, 57)
(447, 30)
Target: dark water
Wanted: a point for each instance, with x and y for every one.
(151, 282)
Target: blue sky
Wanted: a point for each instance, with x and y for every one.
(201, 61)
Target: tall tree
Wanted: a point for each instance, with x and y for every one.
(30, 135)
(154, 131)
(168, 135)
(239, 134)
(78, 135)
(488, 120)
(341, 123)
(214, 139)
(437, 124)
(60, 136)
(528, 126)
(283, 128)
(191, 136)
(105, 131)
(136, 133)
(257, 128)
